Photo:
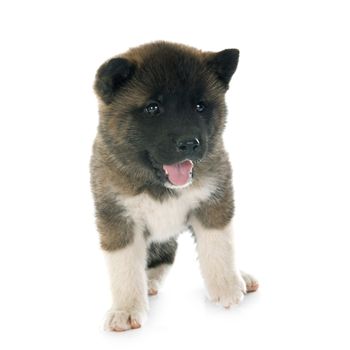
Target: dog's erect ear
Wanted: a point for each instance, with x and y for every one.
(224, 64)
(111, 76)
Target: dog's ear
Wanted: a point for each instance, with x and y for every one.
(111, 76)
(224, 64)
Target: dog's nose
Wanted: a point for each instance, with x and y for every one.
(188, 146)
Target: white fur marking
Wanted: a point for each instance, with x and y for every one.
(216, 257)
(168, 218)
(155, 276)
(128, 284)
(176, 187)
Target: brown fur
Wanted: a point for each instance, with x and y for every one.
(118, 168)
(218, 211)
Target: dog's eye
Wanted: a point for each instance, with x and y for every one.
(200, 107)
(152, 108)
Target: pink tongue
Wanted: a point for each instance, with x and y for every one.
(179, 173)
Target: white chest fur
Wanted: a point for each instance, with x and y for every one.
(168, 218)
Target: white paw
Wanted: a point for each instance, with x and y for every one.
(153, 286)
(229, 292)
(123, 320)
(251, 282)
(155, 277)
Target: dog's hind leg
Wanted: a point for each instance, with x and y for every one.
(160, 257)
(251, 282)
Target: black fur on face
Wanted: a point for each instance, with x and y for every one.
(163, 103)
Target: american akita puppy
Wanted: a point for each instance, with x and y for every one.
(158, 168)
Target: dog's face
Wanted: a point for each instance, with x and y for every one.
(162, 108)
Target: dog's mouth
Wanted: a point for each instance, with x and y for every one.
(179, 174)
(176, 175)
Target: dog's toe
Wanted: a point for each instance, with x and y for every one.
(251, 282)
(135, 324)
(152, 291)
(120, 321)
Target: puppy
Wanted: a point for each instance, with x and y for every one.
(159, 168)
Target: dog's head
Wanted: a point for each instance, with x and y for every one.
(163, 109)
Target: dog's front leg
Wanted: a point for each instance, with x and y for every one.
(223, 280)
(128, 284)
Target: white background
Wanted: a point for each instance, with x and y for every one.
(288, 137)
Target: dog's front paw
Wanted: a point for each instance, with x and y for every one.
(123, 320)
(229, 292)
